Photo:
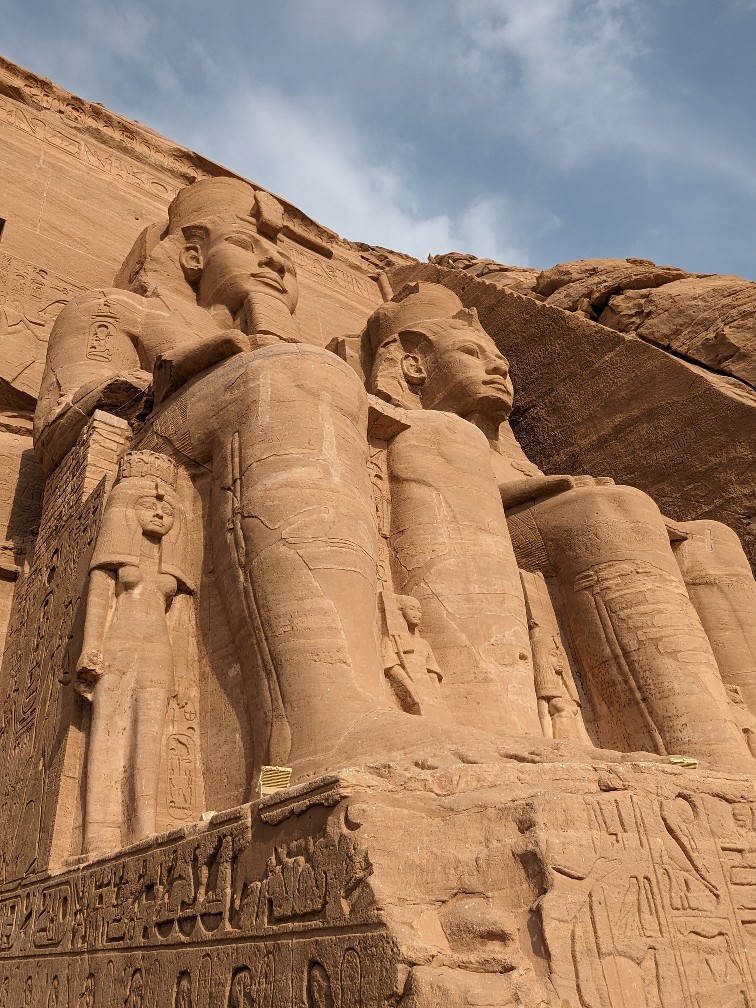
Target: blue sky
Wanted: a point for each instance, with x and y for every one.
(531, 131)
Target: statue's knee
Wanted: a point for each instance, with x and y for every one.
(710, 544)
(600, 503)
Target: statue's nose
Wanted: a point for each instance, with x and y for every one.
(275, 263)
(499, 366)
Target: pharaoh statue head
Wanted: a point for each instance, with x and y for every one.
(429, 352)
(220, 248)
(144, 504)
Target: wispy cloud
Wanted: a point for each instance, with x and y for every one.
(326, 169)
(564, 70)
(531, 131)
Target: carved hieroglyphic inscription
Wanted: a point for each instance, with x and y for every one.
(38, 653)
(192, 889)
(76, 112)
(653, 900)
(68, 141)
(324, 270)
(23, 282)
(30, 299)
(192, 893)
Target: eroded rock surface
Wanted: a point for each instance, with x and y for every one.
(709, 320)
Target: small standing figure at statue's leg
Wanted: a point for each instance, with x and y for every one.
(410, 666)
(126, 669)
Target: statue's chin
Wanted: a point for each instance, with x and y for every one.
(490, 415)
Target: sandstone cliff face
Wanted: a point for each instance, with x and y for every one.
(708, 319)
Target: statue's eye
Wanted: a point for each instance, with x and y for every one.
(471, 351)
(241, 241)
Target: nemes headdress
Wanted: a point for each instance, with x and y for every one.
(427, 304)
(225, 197)
(152, 260)
(418, 302)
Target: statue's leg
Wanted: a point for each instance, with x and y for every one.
(722, 588)
(310, 540)
(293, 525)
(451, 549)
(150, 709)
(108, 742)
(639, 641)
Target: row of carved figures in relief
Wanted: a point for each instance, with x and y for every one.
(203, 352)
(247, 987)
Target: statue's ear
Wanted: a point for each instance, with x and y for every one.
(192, 255)
(192, 261)
(413, 370)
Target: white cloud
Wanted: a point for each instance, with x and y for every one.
(326, 170)
(562, 69)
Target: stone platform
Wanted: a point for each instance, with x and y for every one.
(540, 879)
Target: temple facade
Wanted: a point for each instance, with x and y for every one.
(376, 633)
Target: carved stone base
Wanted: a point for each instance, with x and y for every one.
(544, 878)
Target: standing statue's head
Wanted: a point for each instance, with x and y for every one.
(229, 247)
(411, 610)
(144, 504)
(429, 352)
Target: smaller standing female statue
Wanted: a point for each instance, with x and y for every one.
(558, 699)
(136, 624)
(409, 664)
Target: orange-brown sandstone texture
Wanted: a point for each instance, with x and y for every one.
(287, 521)
(79, 184)
(707, 319)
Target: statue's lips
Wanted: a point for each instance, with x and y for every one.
(269, 280)
(499, 383)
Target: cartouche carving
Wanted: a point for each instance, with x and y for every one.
(133, 635)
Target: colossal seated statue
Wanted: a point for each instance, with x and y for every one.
(643, 655)
(325, 499)
(207, 364)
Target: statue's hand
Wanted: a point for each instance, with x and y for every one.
(89, 670)
(174, 368)
(523, 491)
